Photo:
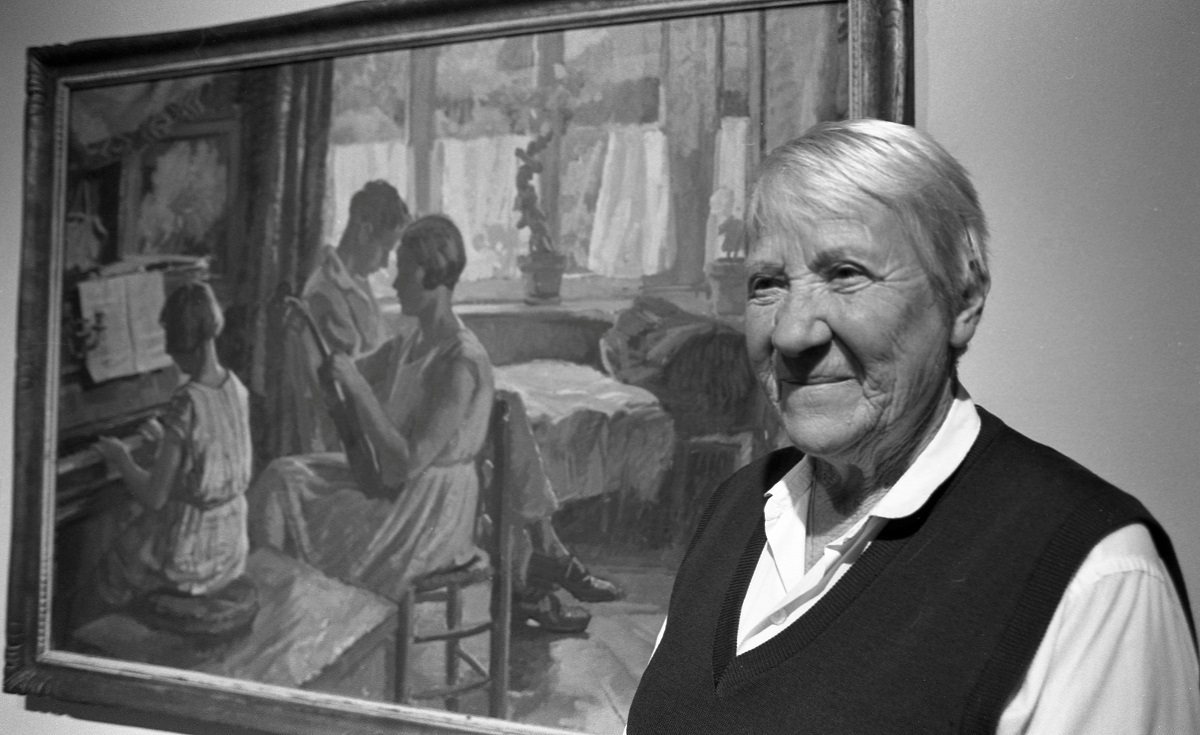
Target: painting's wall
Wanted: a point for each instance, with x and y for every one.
(1078, 120)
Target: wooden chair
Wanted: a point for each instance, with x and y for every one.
(446, 587)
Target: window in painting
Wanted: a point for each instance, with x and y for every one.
(648, 133)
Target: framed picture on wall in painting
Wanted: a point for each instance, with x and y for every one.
(215, 521)
(181, 198)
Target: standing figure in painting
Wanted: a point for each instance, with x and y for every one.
(185, 534)
(338, 295)
(424, 401)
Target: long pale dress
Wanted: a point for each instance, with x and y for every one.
(197, 542)
(309, 505)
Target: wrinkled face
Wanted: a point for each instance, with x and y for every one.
(410, 291)
(846, 335)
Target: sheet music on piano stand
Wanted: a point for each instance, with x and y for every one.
(123, 310)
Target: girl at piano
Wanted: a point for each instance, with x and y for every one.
(184, 533)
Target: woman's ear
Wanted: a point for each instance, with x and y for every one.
(971, 307)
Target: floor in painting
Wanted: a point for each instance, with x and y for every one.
(581, 683)
(586, 682)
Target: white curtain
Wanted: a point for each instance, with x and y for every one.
(630, 232)
(478, 190)
(631, 229)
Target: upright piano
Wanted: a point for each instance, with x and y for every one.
(85, 485)
(117, 407)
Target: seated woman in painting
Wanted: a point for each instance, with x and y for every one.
(184, 535)
(427, 418)
(424, 401)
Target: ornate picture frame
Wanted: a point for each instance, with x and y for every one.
(221, 154)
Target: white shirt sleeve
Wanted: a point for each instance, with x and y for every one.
(1117, 658)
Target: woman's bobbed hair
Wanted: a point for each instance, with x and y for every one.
(437, 246)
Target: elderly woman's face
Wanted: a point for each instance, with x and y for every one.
(846, 335)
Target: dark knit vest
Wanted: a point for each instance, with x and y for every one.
(930, 631)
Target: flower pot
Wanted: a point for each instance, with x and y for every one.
(727, 280)
(543, 274)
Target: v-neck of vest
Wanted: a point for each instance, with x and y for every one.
(732, 671)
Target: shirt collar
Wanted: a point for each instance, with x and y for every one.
(932, 466)
(337, 272)
(935, 463)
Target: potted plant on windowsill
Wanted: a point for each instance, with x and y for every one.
(542, 267)
(727, 274)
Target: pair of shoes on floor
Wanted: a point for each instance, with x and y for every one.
(570, 574)
(543, 610)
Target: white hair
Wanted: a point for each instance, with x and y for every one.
(837, 167)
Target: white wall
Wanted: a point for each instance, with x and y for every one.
(1078, 120)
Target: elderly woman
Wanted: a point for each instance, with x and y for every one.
(915, 565)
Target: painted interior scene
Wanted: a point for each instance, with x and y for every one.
(405, 376)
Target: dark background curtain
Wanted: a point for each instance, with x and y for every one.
(285, 113)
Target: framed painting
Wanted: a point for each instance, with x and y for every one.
(258, 482)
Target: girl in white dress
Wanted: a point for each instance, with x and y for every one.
(185, 530)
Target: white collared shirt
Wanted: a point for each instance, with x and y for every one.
(780, 591)
(1117, 657)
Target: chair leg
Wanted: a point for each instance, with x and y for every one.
(405, 620)
(501, 633)
(453, 622)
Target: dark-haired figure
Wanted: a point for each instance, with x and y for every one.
(338, 295)
(424, 401)
(185, 532)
